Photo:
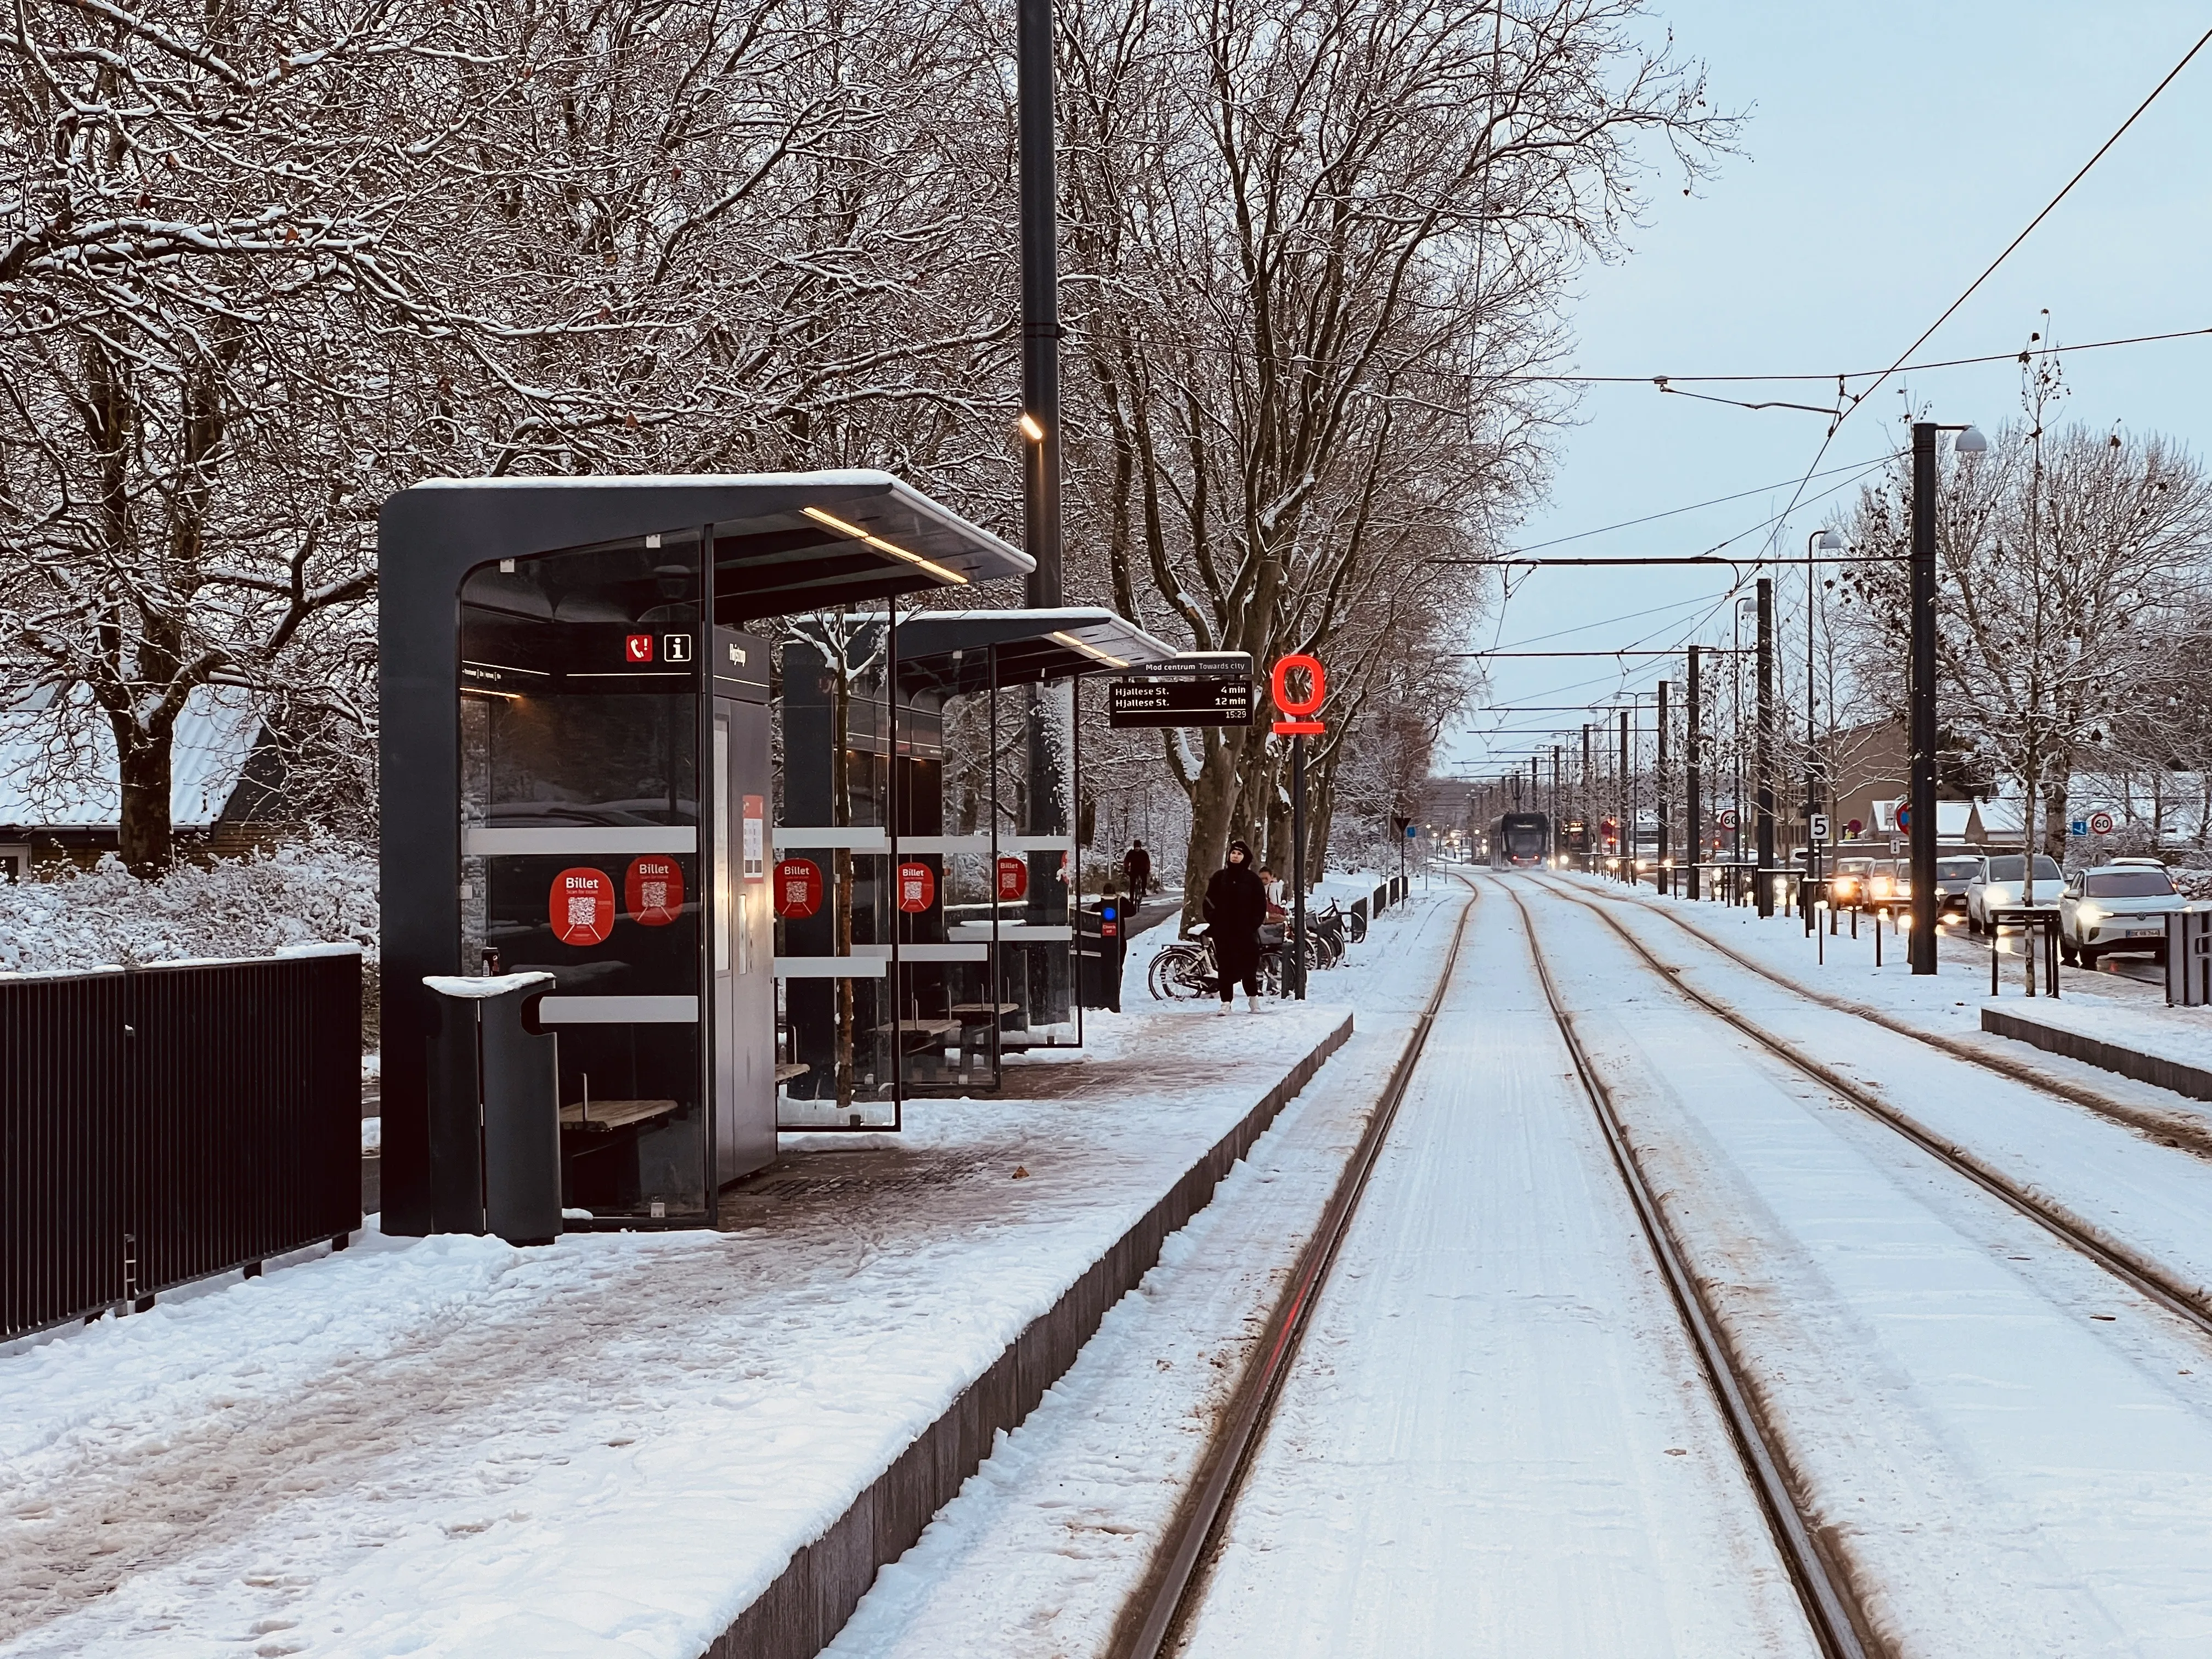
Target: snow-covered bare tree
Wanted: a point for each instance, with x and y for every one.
(2069, 562)
(1311, 242)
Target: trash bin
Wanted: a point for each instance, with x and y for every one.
(1099, 949)
(495, 1109)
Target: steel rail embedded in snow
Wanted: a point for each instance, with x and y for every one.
(2145, 1277)
(2182, 1137)
(1831, 1607)
(1169, 1591)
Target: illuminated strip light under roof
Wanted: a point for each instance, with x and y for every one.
(891, 548)
(1074, 644)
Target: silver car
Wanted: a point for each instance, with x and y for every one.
(2115, 907)
(2001, 884)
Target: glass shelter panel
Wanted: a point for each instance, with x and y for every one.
(832, 880)
(580, 712)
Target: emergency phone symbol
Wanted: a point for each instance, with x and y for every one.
(637, 647)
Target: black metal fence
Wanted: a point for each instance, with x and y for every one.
(158, 1125)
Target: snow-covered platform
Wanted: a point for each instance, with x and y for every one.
(2169, 1049)
(663, 1444)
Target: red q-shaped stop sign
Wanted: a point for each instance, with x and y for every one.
(1300, 709)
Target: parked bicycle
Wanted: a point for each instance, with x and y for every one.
(1184, 971)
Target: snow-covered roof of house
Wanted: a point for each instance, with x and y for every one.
(58, 771)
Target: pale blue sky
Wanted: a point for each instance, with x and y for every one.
(1891, 151)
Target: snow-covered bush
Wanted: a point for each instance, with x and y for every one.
(322, 891)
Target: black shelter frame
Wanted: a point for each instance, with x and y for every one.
(933, 657)
(740, 549)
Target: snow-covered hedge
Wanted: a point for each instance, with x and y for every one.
(320, 892)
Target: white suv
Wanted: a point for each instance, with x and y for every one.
(2115, 907)
(2000, 883)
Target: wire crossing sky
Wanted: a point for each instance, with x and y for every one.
(1890, 153)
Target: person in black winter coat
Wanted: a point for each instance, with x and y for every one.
(1236, 905)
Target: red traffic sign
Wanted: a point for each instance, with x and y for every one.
(1855, 829)
(581, 905)
(1013, 876)
(2102, 823)
(652, 890)
(1299, 709)
(917, 887)
(1727, 818)
(798, 888)
(1904, 818)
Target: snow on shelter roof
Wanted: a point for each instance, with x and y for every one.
(58, 770)
(784, 542)
(953, 649)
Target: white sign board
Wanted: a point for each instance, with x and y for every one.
(1819, 829)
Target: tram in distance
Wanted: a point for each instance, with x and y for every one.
(1520, 841)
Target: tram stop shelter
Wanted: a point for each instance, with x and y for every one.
(930, 916)
(576, 778)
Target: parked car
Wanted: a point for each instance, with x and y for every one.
(1953, 873)
(1999, 882)
(2115, 907)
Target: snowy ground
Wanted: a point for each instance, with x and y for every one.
(1045, 1541)
(1948, 1006)
(1497, 1440)
(608, 1445)
(2012, 1449)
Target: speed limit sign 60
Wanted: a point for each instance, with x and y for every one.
(2101, 824)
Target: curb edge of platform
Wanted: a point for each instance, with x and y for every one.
(808, 1603)
(2194, 1082)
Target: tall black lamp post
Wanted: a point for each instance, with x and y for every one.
(1920, 949)
(1820, 541)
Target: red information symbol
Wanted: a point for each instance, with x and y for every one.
(652, 890)
(798, 888)
(1300, 709)
(1013, 876)
(581, 906)
(637, 647)
(917, 887)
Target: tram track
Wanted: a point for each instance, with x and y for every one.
(1157, 1612)
(1823, 1585)
(2147, 1277)
(2164, 1128)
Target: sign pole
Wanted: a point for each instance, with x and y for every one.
(1693, 756)
(1300, 711)
(1920, 949)
(1299, 862)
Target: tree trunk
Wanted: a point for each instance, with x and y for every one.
(1213, 801)
(2057, 784)
(147, 844)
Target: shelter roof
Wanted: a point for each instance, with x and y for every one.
(956, 652)
(783, 541)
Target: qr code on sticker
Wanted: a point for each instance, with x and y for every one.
(653, 895)
(583, 911)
